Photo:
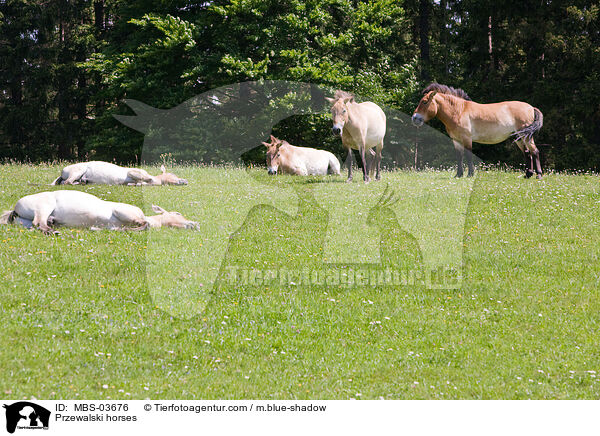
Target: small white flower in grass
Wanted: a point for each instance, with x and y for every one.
(519, 378)
(146, 388)
(105, 386)
(246, 377)
(539, 314)
(194, 357)
(207, 341)
(358, 394)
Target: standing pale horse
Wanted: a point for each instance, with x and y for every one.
(362, 127)
(106, 173)
(283, 157)
(79, 209)
(467, 122)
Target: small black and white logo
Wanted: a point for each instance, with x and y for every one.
(26, 415)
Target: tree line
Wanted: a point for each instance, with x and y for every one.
(67, 66)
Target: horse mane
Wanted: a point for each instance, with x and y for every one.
(443, 89)
(343, 94)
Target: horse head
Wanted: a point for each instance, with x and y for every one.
(170, 219)
(426, 110)
(169, 178)
(273, 154)
(339, 110)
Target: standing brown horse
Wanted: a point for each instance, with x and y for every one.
(467, 122)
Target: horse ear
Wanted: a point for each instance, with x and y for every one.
(266, 144)
(330, 100)
(273, 139)
(158, 209)
(163, 169)
(433, 93)
(348, 100)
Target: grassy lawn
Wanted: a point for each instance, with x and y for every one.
(153, 314)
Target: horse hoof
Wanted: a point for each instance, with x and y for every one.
(539, 176)
(528, 174)
(349, 181)
(470, 175)
(458, 176)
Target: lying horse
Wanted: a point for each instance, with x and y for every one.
(106, 173)
(79, 209)
(302, 161)
(467, 122)
(362, 127)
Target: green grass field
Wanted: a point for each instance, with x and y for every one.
(135, 314)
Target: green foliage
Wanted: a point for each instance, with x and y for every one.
(69, 65)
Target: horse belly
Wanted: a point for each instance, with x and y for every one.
(490, 133)
(81, 212)
(316, 162)
(317, 168)
(105, 173)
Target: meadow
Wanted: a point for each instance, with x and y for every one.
(131, 315)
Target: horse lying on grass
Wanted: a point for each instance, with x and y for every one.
(467, 122)
(79, 209)
(285, 158)
(106, 173)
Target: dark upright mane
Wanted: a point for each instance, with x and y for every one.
(443, 89)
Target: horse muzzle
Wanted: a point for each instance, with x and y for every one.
(192, 225)
(417, 120)
(336, 130)
(272, 171)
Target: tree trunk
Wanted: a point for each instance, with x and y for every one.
(99, 15)
(424, 38)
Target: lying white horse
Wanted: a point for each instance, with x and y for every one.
(106, 173)
(303, 161)
(79, 209)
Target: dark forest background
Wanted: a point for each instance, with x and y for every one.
(67, 66)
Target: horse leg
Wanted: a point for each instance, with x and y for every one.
(370, 157)
(349, 163)
(469, 153)
(75, 176)
(459, 158)
(535, 153)
(528, 164)
(364, 163)
(379, 149)
(41, 217)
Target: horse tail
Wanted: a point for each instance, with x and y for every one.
(334, 165)
(58, 180)
(8, 217)
(527, 132)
